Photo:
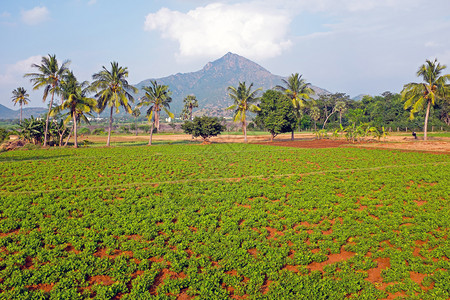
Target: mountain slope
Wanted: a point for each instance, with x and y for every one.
(9, 114)
(210, 84)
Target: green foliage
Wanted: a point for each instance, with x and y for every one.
(4, 134)
(85, 131)
(99, 131)
(223, 221)
(204, 126)
(276, 114)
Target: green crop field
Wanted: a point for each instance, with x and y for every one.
(224, 221)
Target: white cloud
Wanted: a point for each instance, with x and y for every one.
(14, 73)
(35, 15)
(250, 29)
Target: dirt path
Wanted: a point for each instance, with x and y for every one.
(302, 140)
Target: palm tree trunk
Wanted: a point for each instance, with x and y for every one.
(292, 135)
(75, 130)
(20, 113)
(151, 134)
(135, 125)
(425, 129)
(110, 126)
(244, 129)
(68, 138)
(157, 121)
(46, 121)
(340, 117)
(190, 113)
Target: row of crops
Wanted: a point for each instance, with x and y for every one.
(224, 221)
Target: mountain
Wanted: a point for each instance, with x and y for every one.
(9, 114)
(210, 84)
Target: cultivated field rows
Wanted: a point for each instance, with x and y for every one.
(224, 221)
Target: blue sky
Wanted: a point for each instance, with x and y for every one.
(351, 46)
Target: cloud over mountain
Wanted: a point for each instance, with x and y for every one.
(253, 30)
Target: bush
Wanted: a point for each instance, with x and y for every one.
(203, 126)
(4, 134)
(144, 128)
(84, 130)
(99, 131)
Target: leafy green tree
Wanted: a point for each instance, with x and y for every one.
(276, 113)
(113, 91)
(78, 104)
(315, 115)
(340, 107)
(136, 113)
(190, 102)
(204, 126)
(156, 96)
(48, 76)
(434, 86)
(244, 100)
(32, 130)
(299, 91)
(20, 96)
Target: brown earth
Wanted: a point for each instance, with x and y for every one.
(302, 140)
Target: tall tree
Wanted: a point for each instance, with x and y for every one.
(48, 76)
(20, 96)
(113, 91)
(244, 100)
(136, 113)
(276, 114)
(434, 86)
(156, 96)
(315, 115)
(299, 91)
(190, 102)
(76, 102)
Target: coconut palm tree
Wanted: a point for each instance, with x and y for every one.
(49, 77)
(156, 96)
(136, 113)
(434, 86)
(315, 115)
(340, 106)
(113, 91)
(244, 99)
(299, 91)
(77, 103)
(190, 102)
(20, 96)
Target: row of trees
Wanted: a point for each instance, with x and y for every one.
(279, 110)
(276, 115)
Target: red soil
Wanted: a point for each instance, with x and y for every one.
(332, 258)
(307, 144)
(374, 274)
(46, 288)
(101, 279)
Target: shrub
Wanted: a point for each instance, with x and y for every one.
(84, 130)
(203, 126)
(98, 131)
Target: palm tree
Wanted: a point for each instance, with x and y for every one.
(190, 102)
(340, 106)
(157, 96)
(315, 115)
(136, 113)
(244, 99)
(49, 76)
(113, 90)
(77, 102)
(417, 95)
(20, 96)
(299, 91)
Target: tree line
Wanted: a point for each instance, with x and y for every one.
(284, 108)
